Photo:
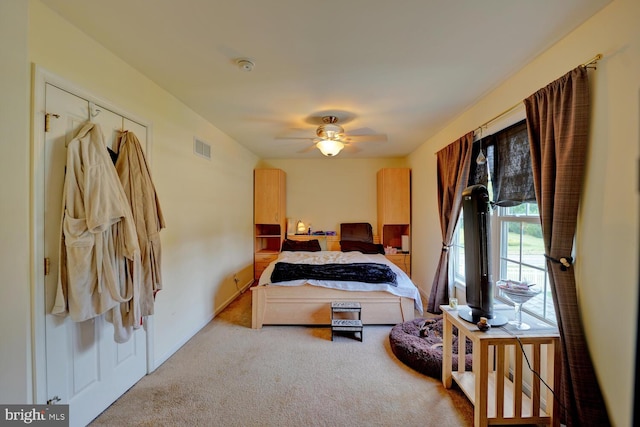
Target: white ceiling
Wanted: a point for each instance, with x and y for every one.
(401, 68)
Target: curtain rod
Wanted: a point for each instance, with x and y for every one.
(589, 64)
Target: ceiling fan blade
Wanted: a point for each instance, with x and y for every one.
(308, 149)
(300, 138)
(362, 131)
(364, 138)
(364, 134)
(296, 133)
(350, 148)
(289, 138)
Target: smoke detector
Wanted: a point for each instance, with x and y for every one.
(245, 65)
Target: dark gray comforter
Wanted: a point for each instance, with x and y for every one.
(356, 272)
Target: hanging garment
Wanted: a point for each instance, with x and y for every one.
(135, 177)
(100, 268)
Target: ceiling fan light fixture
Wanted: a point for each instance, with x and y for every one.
(329, 131)
(330, 147)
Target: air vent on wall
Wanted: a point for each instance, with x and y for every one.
(201, 148)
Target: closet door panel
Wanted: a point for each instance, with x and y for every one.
(85, 368)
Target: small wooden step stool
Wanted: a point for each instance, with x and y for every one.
(346, 325)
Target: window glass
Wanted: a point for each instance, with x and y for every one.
(522, 255)
(457, 251)
(513, 232)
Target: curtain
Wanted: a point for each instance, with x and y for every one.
(558, 123)
(453, 173)
(508, 163)
(512, 178)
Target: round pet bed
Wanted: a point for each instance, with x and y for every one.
(418, 344)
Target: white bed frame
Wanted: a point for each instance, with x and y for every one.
(311, 305)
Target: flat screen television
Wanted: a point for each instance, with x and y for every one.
(477, 257)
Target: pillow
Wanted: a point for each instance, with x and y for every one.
(301, 245)
(364, 247)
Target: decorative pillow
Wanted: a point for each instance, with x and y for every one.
(364, 247)
(301, 245)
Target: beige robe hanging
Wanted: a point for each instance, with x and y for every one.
(100, 268)
(135, 177)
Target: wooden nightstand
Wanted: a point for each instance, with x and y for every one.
(261, 261)
(403, 261)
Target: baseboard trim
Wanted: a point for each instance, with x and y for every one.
(233, 297)
(159, 361)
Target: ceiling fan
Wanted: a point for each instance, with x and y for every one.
(331, 137)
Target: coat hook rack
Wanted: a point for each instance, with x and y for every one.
(94, 110)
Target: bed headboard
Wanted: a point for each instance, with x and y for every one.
(356, 231)
(333, 242)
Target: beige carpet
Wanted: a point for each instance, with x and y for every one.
(231, 375)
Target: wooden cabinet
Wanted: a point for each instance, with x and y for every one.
(394, 213)
(269, 189)
(394, 196)
(269, 196)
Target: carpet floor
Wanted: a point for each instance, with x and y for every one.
(231, 375)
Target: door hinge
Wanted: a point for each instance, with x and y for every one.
(47, 266)
(47, 117)
(53, 400)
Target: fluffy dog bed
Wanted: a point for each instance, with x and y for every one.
(418, 344)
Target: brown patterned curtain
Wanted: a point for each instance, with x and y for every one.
(453, 173)
(558, 123)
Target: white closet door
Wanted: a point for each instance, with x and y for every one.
(85, 367)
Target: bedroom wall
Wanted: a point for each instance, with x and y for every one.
(607, 240)
(207, 205)
(329, 191)
(15, 363)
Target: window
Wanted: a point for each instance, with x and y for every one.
(516, 234)
(517, 254)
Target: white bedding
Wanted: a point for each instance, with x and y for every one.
(405, 287)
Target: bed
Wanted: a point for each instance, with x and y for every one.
(306, 301)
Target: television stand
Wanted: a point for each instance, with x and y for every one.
(465, 314)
